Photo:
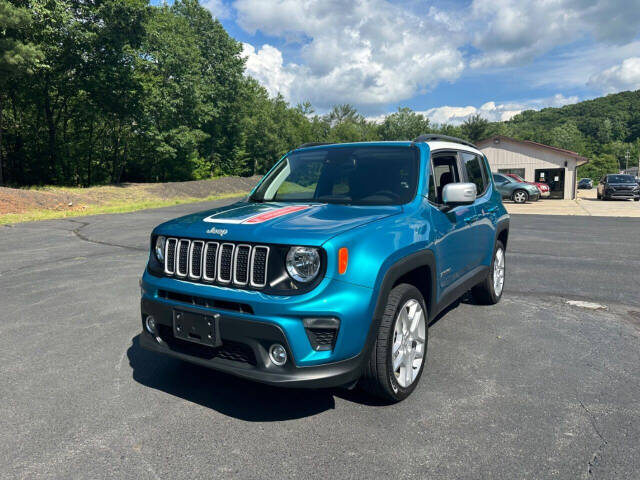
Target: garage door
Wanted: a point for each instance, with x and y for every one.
(554, 177)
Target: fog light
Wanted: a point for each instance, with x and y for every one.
(150, 324)
(278, 354)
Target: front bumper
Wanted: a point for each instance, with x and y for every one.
(545, 194)
(244, 351)
(622, 194)
(247, 335)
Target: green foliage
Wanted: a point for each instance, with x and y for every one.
(405, 124)
(599, 166)
(602, 130)
(475, 128)
(118, 90)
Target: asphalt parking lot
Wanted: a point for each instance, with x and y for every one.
(531, 388)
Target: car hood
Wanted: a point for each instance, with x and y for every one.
(275, 223)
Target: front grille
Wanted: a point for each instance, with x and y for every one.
(225, 263)
(210, 259)
(195, 259)
(170, 256)
(183, 258)
(241, 263)
(212, 262)
(259, 259)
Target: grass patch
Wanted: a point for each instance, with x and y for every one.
(114, 207)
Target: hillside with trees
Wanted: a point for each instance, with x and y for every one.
(112, 91)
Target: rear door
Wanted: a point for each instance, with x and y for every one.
(453, 227)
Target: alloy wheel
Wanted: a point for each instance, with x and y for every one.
(498, 272)
(519, 197)
(408, 346)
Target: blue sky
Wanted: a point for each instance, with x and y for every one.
(446, 59)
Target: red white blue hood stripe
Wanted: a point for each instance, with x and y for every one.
(266, 214)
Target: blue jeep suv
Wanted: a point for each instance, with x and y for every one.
(330, 271)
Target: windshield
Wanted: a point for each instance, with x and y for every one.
(347, 175)
(620, 179)
(517, 178)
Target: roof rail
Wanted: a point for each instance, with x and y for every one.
(312, 144)
(436, 136)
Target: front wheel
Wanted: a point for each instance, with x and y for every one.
(489, 291)
(520, 196)
(397, 358)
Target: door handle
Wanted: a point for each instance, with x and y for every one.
(471, 219)
(492, 209)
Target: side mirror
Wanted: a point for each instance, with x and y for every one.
(459, 193)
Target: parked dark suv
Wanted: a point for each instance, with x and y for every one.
(618, 186)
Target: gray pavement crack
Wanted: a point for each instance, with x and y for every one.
(603, 443)
(81, 236)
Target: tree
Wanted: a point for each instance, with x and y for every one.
(599, 166)
(475, 128)
(17, 56)
(405, 124)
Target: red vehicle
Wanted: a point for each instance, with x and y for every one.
(543, 187)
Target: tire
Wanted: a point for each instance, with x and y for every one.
(379, 378)
(487, 292)
(520, 196)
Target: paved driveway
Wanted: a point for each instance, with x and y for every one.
(530, 388)
(585, 205)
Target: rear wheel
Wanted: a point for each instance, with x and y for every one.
(397, 358)
(520, 196)
(489, 291)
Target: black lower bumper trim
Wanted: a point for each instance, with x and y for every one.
(254, 336)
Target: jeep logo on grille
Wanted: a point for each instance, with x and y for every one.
(218, 231)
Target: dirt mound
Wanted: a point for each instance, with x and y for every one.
(20, 200)
(202, 188)
(13, 200)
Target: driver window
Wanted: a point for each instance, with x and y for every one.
(444, 171)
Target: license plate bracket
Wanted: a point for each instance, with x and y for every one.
(197, 327)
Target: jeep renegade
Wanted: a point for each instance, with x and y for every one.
(330, 271)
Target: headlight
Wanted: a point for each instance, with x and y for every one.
(303, 263)
(159, 248)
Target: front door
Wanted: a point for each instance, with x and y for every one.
(454, 257)
(554, 177)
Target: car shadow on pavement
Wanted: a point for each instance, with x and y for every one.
(245, 400)
(238, 398)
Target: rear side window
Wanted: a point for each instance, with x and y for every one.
(474, 168)
(499, 178)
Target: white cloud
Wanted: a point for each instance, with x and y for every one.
(624, 76)
(266, 66)
(574, 68)
(515, 32)
(366, 52)
(217, 8)
(492, 111)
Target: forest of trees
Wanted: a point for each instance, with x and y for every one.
(108, 91)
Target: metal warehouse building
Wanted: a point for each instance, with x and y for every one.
(534, 162)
